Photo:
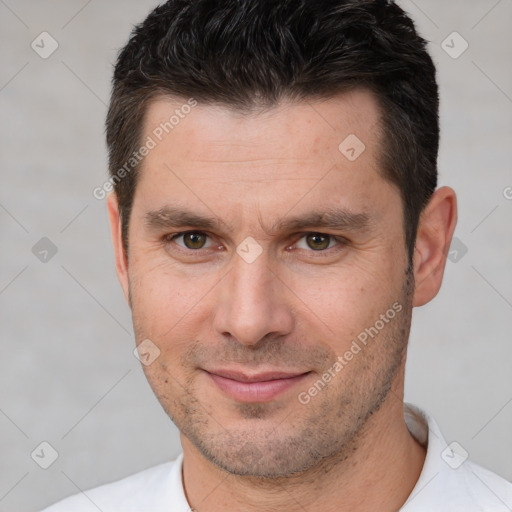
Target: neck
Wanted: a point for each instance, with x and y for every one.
(383, 465)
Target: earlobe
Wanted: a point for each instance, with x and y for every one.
(435, 230)
(121, 259)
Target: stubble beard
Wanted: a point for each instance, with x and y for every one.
(309, 438)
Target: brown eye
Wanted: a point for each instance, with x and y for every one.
(191, 239)
(194, 240)
(317, 241)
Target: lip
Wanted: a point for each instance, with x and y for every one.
(260, 387)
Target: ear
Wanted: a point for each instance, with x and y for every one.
(435, 230)
(121, 258)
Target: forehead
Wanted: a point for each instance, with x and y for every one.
(293, 156)
(292, 132)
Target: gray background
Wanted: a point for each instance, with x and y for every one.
(67, 372)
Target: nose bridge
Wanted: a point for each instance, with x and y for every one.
(251, 283)
(251, 305)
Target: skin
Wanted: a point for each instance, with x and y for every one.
(297, 307)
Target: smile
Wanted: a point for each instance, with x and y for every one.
(261, 387)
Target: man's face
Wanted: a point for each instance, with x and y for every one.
(254, 297)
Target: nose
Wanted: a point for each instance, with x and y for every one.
(253, 303)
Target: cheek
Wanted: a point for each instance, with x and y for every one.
(168, 386)
(162, 296)
(342, 303)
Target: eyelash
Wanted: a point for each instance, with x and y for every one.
(341, 242)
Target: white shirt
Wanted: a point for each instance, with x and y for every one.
(448, 482)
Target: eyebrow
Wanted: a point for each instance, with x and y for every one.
(171, 217)
(175, 217)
